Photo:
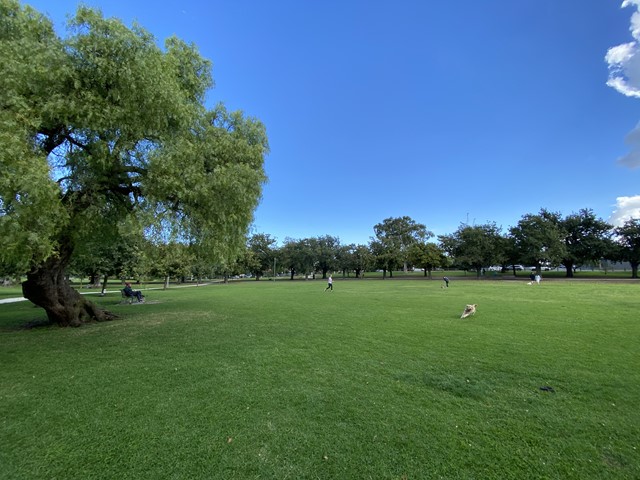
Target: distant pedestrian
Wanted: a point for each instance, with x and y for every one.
(446, 281)
(538, 278)
(329, 284)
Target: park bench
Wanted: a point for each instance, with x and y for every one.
(127, 299)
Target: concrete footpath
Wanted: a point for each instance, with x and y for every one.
(12, 300)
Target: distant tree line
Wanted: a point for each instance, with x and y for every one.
(542, 239)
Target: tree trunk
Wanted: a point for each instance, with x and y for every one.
(634, 269)
(104, 286)
(47, 287)
(569, 266)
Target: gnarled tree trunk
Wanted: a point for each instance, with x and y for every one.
(47, 287)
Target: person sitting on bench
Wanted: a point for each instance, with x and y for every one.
(130, 292)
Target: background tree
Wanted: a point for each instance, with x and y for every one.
(586, 239)
(476, 246)
(263, 251)
(384, 256)
(344, 259)
(539, 238)
(104, 125)
(119, 253)
(173, 260)
(325, 251)
(362, 260)
(100, 261)
(355, 258)
(628, 238)
(298, 256)
(201, 268)
(396, 235)
(426, 256)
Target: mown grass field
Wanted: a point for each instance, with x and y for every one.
(378, 379)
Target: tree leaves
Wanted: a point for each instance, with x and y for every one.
(103, 125)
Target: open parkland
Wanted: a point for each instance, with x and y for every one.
(376, 379)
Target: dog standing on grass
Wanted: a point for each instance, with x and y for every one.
(469, 310)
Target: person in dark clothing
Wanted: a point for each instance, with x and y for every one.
(130, 292)
(446, 281)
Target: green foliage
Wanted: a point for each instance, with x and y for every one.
(31, 61)
(103, 125)
(394, 236)
(628, 238)
(170, 260)
(354, 257)
(586, 239)
(427, 256)
(298, 256)
(475, 246)
(261, 252)
(207, 182)
(539, 238)
(325, 252)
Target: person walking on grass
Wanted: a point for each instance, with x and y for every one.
(329, 284)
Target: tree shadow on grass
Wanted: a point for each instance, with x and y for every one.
(458, 386)
(37, 323)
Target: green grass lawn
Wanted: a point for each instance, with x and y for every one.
(377, 379)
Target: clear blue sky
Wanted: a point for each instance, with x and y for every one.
(448, 112)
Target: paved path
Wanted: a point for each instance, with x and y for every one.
(12, 300)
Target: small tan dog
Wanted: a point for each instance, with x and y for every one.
(469, 310)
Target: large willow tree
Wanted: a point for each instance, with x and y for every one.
(103, 130)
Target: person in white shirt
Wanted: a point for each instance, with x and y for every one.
(329, 284)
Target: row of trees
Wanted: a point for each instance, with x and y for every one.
(399, 243)
(538, 239)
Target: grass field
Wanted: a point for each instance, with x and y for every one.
(377, 379)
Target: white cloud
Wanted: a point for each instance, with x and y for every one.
(620, 53)
(624, 59)
(624, 76)
(626, 3)
(626, 208)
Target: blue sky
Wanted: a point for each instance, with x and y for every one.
(448, 112)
